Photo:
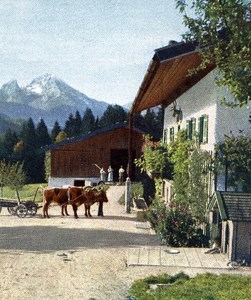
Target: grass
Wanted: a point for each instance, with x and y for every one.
(26, 193)
(202, 287)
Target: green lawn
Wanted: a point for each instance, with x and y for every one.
(202, 287)
(26, 193)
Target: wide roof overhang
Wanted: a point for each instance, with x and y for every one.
(168, 77)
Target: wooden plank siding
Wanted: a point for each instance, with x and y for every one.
(77, 159)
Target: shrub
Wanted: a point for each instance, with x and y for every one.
(175, 225)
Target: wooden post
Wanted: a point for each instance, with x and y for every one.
(128, 192)
(129, 170)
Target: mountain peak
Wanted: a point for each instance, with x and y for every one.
(11, 84)
(47, 97)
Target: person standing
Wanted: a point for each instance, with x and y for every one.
(102, 174)
(121, 174)
(110, 174)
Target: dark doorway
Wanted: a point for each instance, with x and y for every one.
(119, 157)
(79, 182)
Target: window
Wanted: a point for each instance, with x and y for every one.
(165, 133)
(171, 134)
(203, 129)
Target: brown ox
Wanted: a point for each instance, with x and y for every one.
(90, 195)
(62, 196)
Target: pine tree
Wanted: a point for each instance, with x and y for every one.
(43, 136)
(55, 131)
(70, 126)
(88, 122)
(114, 114)
(9, 141)
(30, 153)
(77, 124)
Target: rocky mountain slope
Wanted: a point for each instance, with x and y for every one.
(46, 97)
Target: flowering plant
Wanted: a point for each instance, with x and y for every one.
(154, 157)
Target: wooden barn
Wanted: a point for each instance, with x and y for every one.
(76, 161)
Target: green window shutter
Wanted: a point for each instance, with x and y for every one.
(193, 127)
(200, 127)
(188, 128)
(172, 134)
(165, 136)
(205, 129)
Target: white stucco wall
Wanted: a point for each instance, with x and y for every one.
(205, 98)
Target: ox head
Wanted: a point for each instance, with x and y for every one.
(101, 196)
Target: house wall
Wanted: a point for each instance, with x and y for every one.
(197, 101)
(204, 98)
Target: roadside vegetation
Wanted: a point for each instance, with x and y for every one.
(27, 192)
(182, 287)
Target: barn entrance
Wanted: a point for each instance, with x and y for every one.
(119, 157)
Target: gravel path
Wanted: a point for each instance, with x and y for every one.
(64, 258)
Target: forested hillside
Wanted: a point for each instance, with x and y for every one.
(24, 143)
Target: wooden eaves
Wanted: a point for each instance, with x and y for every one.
(168, 77)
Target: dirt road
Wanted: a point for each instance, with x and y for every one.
(64, 258)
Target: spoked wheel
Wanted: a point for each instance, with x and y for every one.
(21, 211)
(32, 209)
(12, 210)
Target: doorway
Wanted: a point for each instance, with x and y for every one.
(119, 157)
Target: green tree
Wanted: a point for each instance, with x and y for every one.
(55, 131)
(12, 175)
(234, 160)
(88, 122)
(222, 30)
(69, 128)
(29, 152)
(43, 136)
(180, 152)
(61, 137)
(199, 168)
(114, 114)
(77, 124)
(47, 165)
(10, 139)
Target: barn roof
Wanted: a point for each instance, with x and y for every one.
(167, 75)
(235, 206)
(87, 136)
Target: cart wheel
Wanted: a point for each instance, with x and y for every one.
(12, 210)
(21, 210)
(32, 209)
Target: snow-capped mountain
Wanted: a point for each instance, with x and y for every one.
(46, 97)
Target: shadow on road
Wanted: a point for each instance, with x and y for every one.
(51, 238)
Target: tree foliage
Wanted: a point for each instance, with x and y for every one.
(12, 175)
(55, 131)
(234, 159)
(222, 29)
(88, 122)
(114, 114)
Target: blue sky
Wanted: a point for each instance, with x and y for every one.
(100, 47)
